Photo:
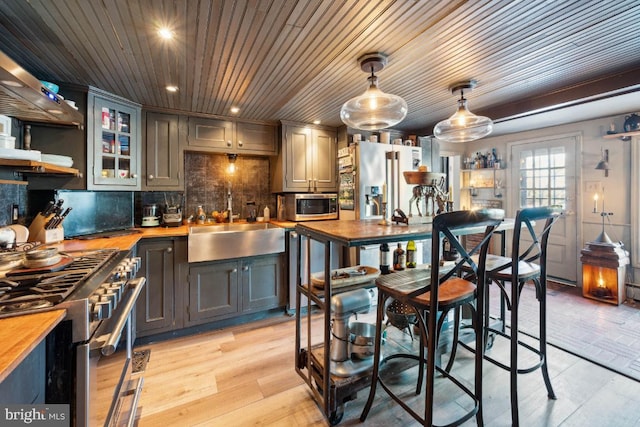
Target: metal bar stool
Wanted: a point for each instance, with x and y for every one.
(431, 304)
(510, 274)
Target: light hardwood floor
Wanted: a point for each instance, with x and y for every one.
(243, 376)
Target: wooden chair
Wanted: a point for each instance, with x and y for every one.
(510, 274)
(432, 303)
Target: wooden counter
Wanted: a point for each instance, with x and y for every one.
(21, 334)
(366, 232)
(129, 241)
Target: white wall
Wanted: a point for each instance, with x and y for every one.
(617, 185)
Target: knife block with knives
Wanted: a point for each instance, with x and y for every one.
(46, 227)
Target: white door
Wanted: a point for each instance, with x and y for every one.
(543, 174)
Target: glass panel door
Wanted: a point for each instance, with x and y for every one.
(114, 161)
(545, 175)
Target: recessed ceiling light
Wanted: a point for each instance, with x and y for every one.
(235, 110)
(172, 88)
(165, 33)
(316, 122)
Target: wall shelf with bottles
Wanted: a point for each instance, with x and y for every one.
(482, 179)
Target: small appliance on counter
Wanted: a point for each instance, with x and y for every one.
(252, 213)
(172, 216)
(150, 217)
(171, 213)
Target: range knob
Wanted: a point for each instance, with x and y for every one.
(101, 310)
(109, 297)
(113, 288)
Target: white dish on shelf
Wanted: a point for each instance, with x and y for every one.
(55, 159)
(7, 141)
(16, 154)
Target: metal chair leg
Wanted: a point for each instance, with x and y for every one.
(376, 356)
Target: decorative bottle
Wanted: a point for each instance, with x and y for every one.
(201, 217)
(266, 214)
(411, 254)
(399, 259)
(384, 258)
(26, 143)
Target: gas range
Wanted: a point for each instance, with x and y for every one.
(89, 287)
(30, 292)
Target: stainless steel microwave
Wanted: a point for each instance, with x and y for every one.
(309, 207)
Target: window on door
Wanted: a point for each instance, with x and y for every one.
(543, 177)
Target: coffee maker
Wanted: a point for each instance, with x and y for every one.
(171, 213)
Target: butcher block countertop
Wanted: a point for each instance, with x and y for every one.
(21, 334)
(365, 232)
(129, 241)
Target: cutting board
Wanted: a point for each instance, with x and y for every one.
(65, 260)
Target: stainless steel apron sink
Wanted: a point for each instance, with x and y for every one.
(225, 241)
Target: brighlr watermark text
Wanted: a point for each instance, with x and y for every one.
(34, 415)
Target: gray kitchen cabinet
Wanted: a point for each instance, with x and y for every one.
(307, 161)
(213, 290)
(256, 138)
(155, 308)
(222, 289)
(106, 152)
(163, 159)
(114, 137)
(262, 284)
(226, 136)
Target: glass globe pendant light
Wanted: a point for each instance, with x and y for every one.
(374, 109)
(463, 126)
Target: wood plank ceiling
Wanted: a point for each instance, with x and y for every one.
(297, 59)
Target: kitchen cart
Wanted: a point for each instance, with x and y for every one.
(313, 358)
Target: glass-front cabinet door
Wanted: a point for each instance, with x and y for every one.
(115, 142)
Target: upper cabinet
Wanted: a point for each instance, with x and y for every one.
(163, 160)
(225, 136)
(307, 160)
(113, 142)
(106, 152)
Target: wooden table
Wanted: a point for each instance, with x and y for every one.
(347, 233)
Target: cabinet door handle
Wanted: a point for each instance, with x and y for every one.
(151, 176)
(239, 143)
(134, 175)
(235, 270)
(229, 143)
(245, 268)
(169, 250)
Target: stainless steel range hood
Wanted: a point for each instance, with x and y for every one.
(22, 96)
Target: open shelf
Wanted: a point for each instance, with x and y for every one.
(32, 166)
(621, 134)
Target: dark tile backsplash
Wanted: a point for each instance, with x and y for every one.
(206, 185)
(12, 194)
(207, 181)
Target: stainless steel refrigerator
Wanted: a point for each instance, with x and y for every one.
(370, 173)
